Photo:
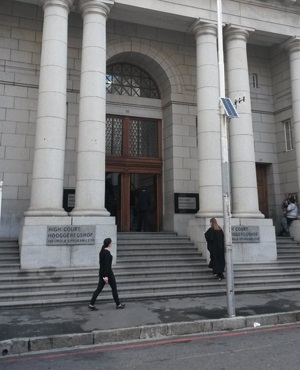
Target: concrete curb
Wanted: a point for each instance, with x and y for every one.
(23, 345)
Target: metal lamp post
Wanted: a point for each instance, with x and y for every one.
(1, 185)
(225, 113)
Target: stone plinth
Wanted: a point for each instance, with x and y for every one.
(295, 230)
(264, 250)
(35, 253)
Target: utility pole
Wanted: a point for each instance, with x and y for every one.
(225, 172)
(1, 186)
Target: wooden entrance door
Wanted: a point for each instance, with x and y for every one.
(262, 188)
(121, 199)
(133, 160)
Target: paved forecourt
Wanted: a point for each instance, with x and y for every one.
(46, 328)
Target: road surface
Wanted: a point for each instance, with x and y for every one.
(275, 348)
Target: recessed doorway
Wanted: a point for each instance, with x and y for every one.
(262, 188)
(133, 163)
(123, 200)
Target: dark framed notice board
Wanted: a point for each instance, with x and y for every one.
(69, 199)
(186, 202)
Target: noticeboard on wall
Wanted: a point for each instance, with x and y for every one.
(186, 202)
(69, 199)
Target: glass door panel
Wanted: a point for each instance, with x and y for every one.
(113, 194)
(143, 202)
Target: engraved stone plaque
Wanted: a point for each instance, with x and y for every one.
(245, 234)
(71, 234)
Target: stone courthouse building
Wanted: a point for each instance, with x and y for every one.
(101, 98)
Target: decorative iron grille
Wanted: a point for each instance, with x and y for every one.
(143, 138)
(126, 79)
(114, 136)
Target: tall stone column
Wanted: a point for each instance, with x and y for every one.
(242, 155)
(90, 181)
(48, 164)
(293, 47)
(209, 144)
(209, 147)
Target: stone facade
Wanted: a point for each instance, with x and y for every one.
(176, 44)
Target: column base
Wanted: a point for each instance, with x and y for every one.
(248, 215)
(264, 250)
(210, 214)
(89, 212)
(295, 230)
(35, 253)
(46, 213)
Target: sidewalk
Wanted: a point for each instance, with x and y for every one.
(65, 326)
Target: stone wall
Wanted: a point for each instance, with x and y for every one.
(175, 54)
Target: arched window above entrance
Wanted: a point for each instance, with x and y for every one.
(127, 79)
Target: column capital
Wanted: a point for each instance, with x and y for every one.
(292, 44)
(237, 32)
(96, 6)
(202, 26)
(63, 3)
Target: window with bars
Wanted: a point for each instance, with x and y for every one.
(288, 135)
(255, 80)
(140, 135)
(114, 136)
(143, 138)
(127, 79)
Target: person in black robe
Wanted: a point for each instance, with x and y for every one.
(215, 244)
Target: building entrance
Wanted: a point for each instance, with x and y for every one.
(134, 200)
(262, 188)
(133, 165)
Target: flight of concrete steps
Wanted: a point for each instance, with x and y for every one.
(150, 266)
(284, 274)
(9, 255)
